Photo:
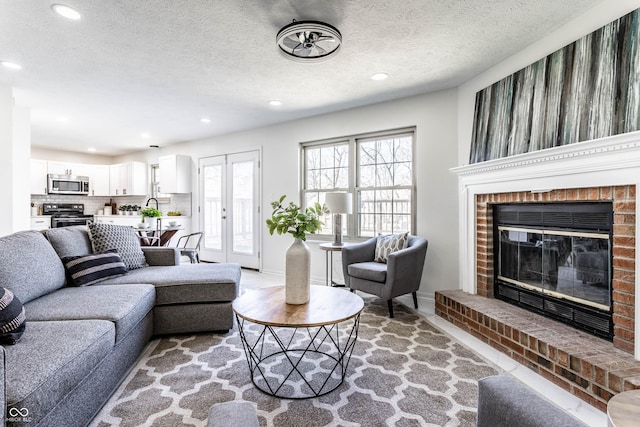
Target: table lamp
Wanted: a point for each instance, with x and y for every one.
(338, 204)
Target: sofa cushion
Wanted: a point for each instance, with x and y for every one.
(386, 245)
(51, 359)
(29, 265)
(90, 269)
(11, 318)
(187, 283)
(121, 238)
(373, 271)
(69, 241)
(125, 306)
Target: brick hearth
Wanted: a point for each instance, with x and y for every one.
(589, 367)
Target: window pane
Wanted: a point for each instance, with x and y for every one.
(385, 151)
(384, 175)
(242, 187)
(367, 176)
(402, 174)
(342, 156)
(313, 179)
(342, 177)
(326, 179)
(367, 153)
(403, 149)
(327, 159)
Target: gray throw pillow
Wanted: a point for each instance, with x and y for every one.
(121, 238)
(386, 245)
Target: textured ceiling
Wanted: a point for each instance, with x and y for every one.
(158, 66)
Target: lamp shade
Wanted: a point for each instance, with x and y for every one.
(338, 202)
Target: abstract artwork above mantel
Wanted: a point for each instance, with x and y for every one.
(587, 90)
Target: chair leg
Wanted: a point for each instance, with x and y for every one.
(353, 291)
(390, 305)
(415, 299)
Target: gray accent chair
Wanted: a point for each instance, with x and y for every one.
(504, 401)
(399, 276)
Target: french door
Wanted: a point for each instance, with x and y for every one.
(229, 208)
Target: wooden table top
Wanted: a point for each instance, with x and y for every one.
(326, 306)
(623, 409)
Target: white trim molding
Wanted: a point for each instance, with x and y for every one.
(610, 161)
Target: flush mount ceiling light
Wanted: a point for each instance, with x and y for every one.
(66, 11)
(308, 41)
(11, 65)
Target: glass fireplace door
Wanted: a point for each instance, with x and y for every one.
(565, 264)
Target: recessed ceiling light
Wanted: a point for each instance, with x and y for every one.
(91, 150)
(380, 76)
(145, 135)
(275, 102)
(11, 65)
(66, 11)
(205, 120)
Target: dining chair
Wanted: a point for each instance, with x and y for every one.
(189, 246)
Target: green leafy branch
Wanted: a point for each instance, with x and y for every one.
(290, 218)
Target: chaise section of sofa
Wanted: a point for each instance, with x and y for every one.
(189, 298)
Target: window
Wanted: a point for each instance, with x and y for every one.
(376, 168)
(155, 183)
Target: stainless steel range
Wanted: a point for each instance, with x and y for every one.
(66, 214)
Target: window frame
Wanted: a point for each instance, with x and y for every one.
(353, 141)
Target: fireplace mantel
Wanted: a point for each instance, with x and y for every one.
(611, 161)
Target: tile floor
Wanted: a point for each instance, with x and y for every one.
(580, 409)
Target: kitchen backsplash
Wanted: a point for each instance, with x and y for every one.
(177, 202)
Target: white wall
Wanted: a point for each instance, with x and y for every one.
(42, 153)
(591, 20)
(15, 143)
(435, 118)
(6, 161)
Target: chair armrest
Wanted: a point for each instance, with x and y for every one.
(161, 256)
(404, 269)
(359, 252)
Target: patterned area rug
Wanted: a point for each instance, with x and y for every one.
(403, 372)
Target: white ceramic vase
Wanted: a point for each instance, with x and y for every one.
(297, 273)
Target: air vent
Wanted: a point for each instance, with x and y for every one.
(558, 309)
(532, 301)
(558, 219)
(596, 322)
(527, 217)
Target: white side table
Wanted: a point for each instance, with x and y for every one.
(329, 249)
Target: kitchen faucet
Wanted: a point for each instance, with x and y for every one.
(150, 199)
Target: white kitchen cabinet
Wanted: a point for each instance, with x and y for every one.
(65, 168)
(38, 175)
(128, 179)
(42, 222)
(175, 174)
(99, 180)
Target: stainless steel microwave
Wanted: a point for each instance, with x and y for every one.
(66, 184)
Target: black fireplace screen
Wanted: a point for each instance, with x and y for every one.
(564, 264)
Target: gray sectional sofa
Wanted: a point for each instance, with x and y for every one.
(80, 342)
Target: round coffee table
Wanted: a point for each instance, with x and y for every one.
(298, 351)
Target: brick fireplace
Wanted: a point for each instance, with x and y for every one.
(592, 368)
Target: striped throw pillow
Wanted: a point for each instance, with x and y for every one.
(89, 269)
(12, 318)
